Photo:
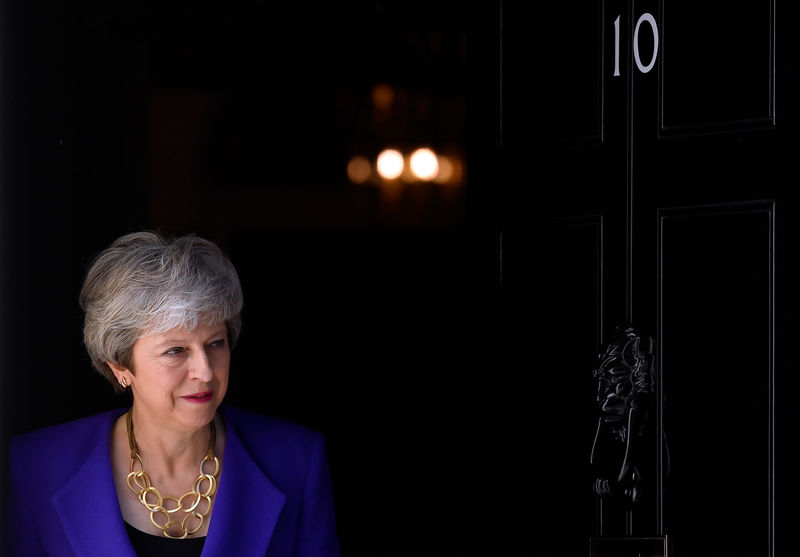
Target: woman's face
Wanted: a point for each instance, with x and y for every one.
(180, 377)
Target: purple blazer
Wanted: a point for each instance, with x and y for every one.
(274, 497)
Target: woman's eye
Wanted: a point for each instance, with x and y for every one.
(173, 351)
(218, 343)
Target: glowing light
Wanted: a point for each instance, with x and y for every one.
(446, 170)
(424, 164)
(359, 169)
(390, 164)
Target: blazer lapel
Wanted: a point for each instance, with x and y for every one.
(247, 505)
(88, 508)
(241, 523)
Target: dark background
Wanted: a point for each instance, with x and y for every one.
(237, 125)
(442, 337)
(665, 195)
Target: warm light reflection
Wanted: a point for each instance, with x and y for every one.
(424, 164)
(382, 96)
(390, 164)
(359, 169)
(446, 170)
(458, 171)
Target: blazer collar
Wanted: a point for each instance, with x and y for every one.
(87, 505)
(241, 523)
(247, 504)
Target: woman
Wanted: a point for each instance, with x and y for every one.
(177, 473)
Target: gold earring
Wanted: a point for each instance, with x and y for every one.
(123, 383)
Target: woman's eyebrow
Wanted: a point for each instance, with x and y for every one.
(170, 341)
(220, 332)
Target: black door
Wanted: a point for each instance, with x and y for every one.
(632, 162)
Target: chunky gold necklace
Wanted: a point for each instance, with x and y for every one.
(195, 504)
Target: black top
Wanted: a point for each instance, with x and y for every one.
(148, 545)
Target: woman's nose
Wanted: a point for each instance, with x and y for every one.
(200, 366)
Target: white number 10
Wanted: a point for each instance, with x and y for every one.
(642, 68)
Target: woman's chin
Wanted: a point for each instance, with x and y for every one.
(195, 414)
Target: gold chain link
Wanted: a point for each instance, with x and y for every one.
(139, 482)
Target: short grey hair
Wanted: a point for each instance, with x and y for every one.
(146, 283)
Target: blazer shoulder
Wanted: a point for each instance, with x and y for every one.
(267, 436)
(249, 424)
(60, 441)
(287, 453)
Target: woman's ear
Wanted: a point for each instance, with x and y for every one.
(121, 373)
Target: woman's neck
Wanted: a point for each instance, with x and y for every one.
(168, 452)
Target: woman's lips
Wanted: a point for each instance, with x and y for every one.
(205, 396)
